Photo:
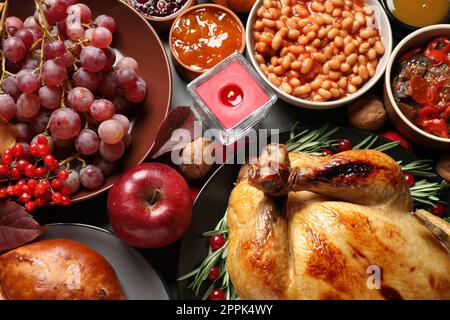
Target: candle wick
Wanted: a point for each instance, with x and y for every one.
(231, 94)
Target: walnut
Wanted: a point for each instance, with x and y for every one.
(367, 113)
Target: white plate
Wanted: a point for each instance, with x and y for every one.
(138, 278)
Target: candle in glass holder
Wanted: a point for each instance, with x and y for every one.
(231, 98)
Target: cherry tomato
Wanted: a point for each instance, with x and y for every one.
(216, 242)
(217, 294)
(438, 210)
(394, 136)
(344, 145)
(214, 273)
(409, 179)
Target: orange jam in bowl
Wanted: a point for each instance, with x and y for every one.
(205, 35)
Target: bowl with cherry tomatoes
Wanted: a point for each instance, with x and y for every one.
(417, 87)
(86, 84)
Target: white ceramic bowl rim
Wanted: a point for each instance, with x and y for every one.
(387, 31)
(387, 79)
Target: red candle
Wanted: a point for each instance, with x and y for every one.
(232, 95)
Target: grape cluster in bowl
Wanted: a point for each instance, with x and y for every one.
(60, 79)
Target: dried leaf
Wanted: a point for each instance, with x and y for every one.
(177, 118)
(17, 227)
(8, 135)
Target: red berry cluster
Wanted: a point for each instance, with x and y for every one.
(32, 184)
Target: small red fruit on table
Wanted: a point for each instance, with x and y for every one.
(409, 179)
(217, 294)
(344, 145)
(394, 136)
(216, 242)
(438, 209)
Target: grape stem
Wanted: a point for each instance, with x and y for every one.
(70, 159)
(79, 42)
(41, 55)
(4, 9)
(36, 43)
(42, 19)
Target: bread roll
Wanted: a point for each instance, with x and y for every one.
(57, 269)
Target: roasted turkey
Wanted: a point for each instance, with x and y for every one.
(305, 227)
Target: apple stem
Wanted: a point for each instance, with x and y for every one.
(155, 197)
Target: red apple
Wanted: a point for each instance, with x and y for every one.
(150, 206)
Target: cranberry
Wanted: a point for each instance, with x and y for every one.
(214, 273)
(344, 145)
(42, 150)
(56, 184)
(42, 140)
(41, 172)
(49, 160)
(32, 184)
(17, 150)
(56, 197)
(30, 206)
(217, 241)
(66, 191)
(65, 200)
(4, 169)
(217, 294)
(22, 164)
(327, 152)
(409, 179)
(40, 201)
(30, 170)
(438, 209)
(7, 159)
(63, 175)
(15, 173)
(24, 197)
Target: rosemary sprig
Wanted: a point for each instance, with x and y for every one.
(368, 142)
(427, 193)
(312, 142)
(214, 258)
(315, 141)
(419, 168)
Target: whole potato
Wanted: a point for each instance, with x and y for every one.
(367, 113)
(197, 158)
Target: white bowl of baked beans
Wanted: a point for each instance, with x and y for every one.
(319, 54)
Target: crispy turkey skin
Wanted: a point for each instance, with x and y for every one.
(304, 227)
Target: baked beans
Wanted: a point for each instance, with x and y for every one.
(317, 50)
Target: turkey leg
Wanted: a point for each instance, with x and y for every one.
(364, 177)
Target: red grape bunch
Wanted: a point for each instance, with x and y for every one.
(61, 80)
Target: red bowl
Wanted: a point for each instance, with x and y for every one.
(134, 37)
